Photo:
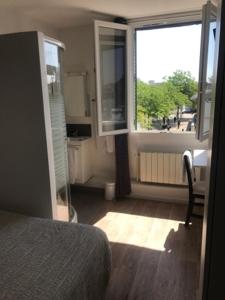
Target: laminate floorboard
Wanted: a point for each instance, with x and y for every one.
(153, 255)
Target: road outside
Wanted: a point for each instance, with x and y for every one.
(172, 124)
(184, 121)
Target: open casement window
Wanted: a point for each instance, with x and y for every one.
(111, 54)
(206, 71)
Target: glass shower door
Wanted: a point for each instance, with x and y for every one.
(58, 124)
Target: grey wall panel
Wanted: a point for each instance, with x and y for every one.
(24, 171)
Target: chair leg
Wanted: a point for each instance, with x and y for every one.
(189, 210)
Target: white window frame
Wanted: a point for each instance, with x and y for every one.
(151, 23)
(209, 9)
(126, 28)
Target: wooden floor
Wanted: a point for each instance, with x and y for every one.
(153, 255)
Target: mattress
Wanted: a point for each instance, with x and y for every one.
(41, 259)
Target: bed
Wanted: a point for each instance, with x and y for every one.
(41, 259)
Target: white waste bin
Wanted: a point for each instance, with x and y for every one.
(73, 215)
(110, 190)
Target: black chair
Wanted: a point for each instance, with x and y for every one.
(196, 189)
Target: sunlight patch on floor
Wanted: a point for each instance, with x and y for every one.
(141, 231)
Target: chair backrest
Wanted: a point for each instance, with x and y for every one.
(187, 157)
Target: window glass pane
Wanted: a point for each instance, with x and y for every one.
(211, 52)
(112, 44)
(167, 71)
(209, 75)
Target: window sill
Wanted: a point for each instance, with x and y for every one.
(162, 132)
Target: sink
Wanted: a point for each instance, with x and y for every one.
(78, 138)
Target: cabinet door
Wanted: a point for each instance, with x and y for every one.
(75, 164)
(111, 53)
(206, 71)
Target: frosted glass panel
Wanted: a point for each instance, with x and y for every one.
(58, 124)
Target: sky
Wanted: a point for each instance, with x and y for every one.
(160, 52)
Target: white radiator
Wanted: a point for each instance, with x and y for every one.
(161, 167)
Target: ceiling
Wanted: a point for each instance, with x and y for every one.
(67, 13)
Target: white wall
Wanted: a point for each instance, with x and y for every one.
(14, 21)
(79, 57)
(160, 142)
(79, 54)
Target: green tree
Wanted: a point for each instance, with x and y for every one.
(178, 98)
(155, 101)
(184, 83)
(143, 118)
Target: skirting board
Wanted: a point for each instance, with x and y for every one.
(154, 192)
(163, 193)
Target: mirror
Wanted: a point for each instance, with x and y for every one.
(76, 96)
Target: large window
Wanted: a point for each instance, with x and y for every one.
(167, 72)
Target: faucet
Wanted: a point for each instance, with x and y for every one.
(75, 133)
